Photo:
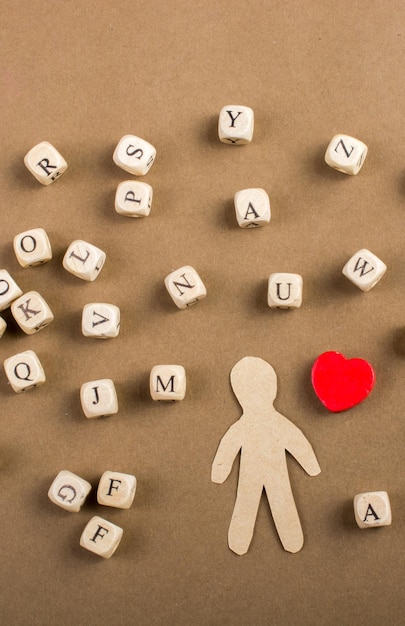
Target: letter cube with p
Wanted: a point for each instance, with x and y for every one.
(45, 163)
(167, 382)
(84, 260)
(101, 537)
(116, 489)
(185, 287)
(133, 198)
(69, 491)
(24, 371)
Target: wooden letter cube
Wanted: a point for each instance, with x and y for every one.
(31, 312)
(32, 247)
(69, 491)
(252, 208)
(133, 198)
(364, 269)
(45, 163)
(100, 320)
(116, 489)
(167, 382)
(185, 287)
(285, 291)
(134, 155)
(24, 371)
(101, 537)
(84, 260)
(372, 509)
(3, 326)
(235, 124)
(99, 398)
(9, 290)
(346, 154)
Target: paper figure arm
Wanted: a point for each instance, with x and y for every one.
(300, 448)
(228, 449)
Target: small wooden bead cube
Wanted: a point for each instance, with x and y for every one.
(24, 371)
(134, 155)
(45, 163)
(69, 491)
(346, 154)
(32, 247)
(185, 287)
(3, 326)
(364, 269)
(99, 398)
(252, 208)
(9, 290)
(31, 312)
(84, 260)
(116, 489)
(167, 382)
(101, 537)
(284, 290)
(236, 124)
(133, 198)
(372, 509)
(100, 320)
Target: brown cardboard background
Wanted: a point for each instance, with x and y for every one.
(81, 75)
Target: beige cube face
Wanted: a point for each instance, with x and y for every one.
(346, 154)
(116, 489)
(3, 327)
(364, 269)
(133, 198)
(31, 312)
(69, 491)
(32, 247)
(252, 207)
(167, 382)
(134, 155)
(236, 124)
(185, 287)
(99, 398)
(372, 509)
(284, 291)
(45, 163)
(9, 290)
(101, 537)
(24, 371)
(101, 320)
(84, 260)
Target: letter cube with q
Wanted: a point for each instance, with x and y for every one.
(69, 491)
(24, 371)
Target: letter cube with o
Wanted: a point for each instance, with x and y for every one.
(45, 163)
(32, 247)
(100, 320)
(101, 537)
(99, 398)
(252, 208)
(133, 198)
(284, 290)
(31, 312)
(69, 491)
(24, 371)
(84, 260)
(372, 509)
(134, 155)
(346, 154)
(167, 382)
(364, 269)
(116, 489)
(185, 287)
(9, 290)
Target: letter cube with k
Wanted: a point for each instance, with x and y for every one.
(31, 312)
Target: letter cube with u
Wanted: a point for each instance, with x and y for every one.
(31, 312)
(84, 260)
(69, 491)
(99, 398)
(116, 489)
(235, 124)
(101, 537)
(133, 198)
(364, 269)
(24, 371)
(185, 287)
(167, 382)
(284, 290)
(45, 163)
(372, 509)
(346, 154)
(134, 155)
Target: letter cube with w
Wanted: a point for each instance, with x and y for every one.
(185, 287)
(167, 382)
(364, 269)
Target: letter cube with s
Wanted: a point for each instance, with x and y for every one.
(45, 163)
(134, 155)
(167, 382)
(69, 491)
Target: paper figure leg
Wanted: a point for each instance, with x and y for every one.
(244, 516)
(285, 515)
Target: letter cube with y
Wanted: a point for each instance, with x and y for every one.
(101, 537)
(134, 155)
(252, 208)
(167, 382)
(284, 291)
(235, 124)
(69, 491)
(372, 509)
(31, 312)
(185, 287)
(9, 290)
(100, 320)
(84, 260)
(24, 371)
(116, 489)
(133, 198)
(346, 154)
(45, 163)
(32, 247)
(364, 269)
(99, 398)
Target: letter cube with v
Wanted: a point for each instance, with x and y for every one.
(116, 489)
(372, 509)
(31, 312)
(235, 124)
(167, 382)
(284, 290)
(84, 260)
(364, 269)
(101, 537)
(346, 154)
(69, 491)
(133, 198)
(32, 247)
(99, 398)
(134, 155)
(45, 163)
(24, 371)
(9, 290)
(100, 320)
(252, 208)
(185, 287)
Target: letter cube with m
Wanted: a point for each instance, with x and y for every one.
(167, 382)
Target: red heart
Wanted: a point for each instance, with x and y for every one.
(341, 383)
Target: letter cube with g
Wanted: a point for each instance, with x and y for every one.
(185, 287)
(101, 537)
(167, 382)
(134, 155)
(99, 398)
(235, 124)
(24, 371)
(133, 198)
(284, 290)
(84, 260)
(372, 509)
(116, 489)
(69, 491)
(346, 154)
(45, 163)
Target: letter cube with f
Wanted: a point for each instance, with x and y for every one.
(185, 287)
(133, 198)
(45, 163)
(31, 312)
(364, 269)
(84, 260)
(101, 537)
(346, 154)
(372, 509)
(252, 208)
(32, 247)
(284, 290)
(134, 155)
(167, 382)
(116, 489)
(24, 371)
(69, 491)
(100, 320)
(99, 398)
(236, 124)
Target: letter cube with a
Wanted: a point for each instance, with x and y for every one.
(372, 509)
(252, 208)
(101, 537)
(167, 382)
(9, 290)
(100, 320)
(236, 124)
(84, 260)
(133, 198)
(134, 155)
(364, 269)
(31, 312)
(32, 247)
(284, 290)
(116, 489)
(346, 154)
(3, 326)
(69, 491)
(45, 163)
(24, 371)
(99, 398)
(185, 287)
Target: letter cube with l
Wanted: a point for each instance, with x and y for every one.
(31, 312)
(167, 382)
(84, 260)
(284, 290)
(24, 371)
(235, 124)
(100, 320)
(346, 154)
(134, 155)
(99, 398)
(32, 247)
(45, 163)
(252, 208)
(9, 290)
(101, 537)
(185, 287)
(364, 269)
(69, 491)
(116, 489)
(372, 509)
(133, 198)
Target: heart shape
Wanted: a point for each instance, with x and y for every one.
(341, 383)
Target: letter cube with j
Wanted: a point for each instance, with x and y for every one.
(69, 491)
(24, 371)
(185, 287)
(101, 537)
(31, 312)
(252, 208)
(284, 290)
(116, 489)
(364, 269)
(346, 154)
(372, 509)
(84, 260)
(45, 163)
(236, 124)
(167, 382)
(133, 198)
(32, 247)
(100, 320)
(134, 155)
(9, 290)
(99, 398)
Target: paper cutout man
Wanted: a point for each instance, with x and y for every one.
(262, 436)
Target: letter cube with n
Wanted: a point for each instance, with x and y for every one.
(69, 491)
(185, 287)
(346, 154)
(84, 260)
(235, 124)
(372, 509)
(101, 537)
(364, 269)
(100, 320)
(24, 371)
(167, 382)
(32, 247)
(252, 208)
(134, 155)
(9, 290)
(133, 198)
(45, 163)
(116, 489)
(99, 398)
(31, 312)
(284, 290)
